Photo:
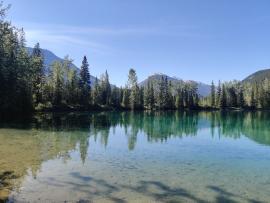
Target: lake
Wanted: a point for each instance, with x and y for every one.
(136, 157)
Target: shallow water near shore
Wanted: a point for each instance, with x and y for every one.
(136, 157)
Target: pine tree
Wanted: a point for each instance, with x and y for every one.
(151, 97)
(126, 98)
(179, 103)
(232, 96)
(241, 99)
(38, 74)
(96, 95)
(213, 94)
(252, 98)
(160, 98)
(105, 88)
(218, 96)
(257, 96)
(57, 83)
(266, 93)
(166, 95)
(134, 97)
(115, 97)
(71, 83)
(223, 98)
(15, 77)
(149, 100)
(85, 83)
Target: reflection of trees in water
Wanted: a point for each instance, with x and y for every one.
(160, 126)
(26, 143)
(254, 125)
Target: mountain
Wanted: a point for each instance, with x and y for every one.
(257, 76)
(203, 89)
(50, 57)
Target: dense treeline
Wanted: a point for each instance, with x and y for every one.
(26, 85)
(237, 94)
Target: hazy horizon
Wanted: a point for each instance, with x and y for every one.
(192, 40)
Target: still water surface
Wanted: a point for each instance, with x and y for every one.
(136, 157)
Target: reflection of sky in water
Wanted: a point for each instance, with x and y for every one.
(128, 166)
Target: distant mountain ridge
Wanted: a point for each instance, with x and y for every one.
(258, 76)
(203, 89)
(50, 57)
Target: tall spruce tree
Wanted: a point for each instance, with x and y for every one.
(38, 74)
(85, 84)
(223, 97)
(218, 96)
(134, 97)
(96, 95)
(167, 104)
(213, 94)
(179, 102)
(160, 97)
(105, 88)
(125, 98)
(149, 100)
(241, 99)
(252, 98)
(115, 97)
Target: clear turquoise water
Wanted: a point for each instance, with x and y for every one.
(136, 157)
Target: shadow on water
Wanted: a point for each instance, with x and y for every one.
(158, 191)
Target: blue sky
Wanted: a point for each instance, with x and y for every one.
(190, 39)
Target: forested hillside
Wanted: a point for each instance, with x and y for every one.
(258, 76)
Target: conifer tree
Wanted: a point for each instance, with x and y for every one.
(160, 97)
(115, 97)
(149, 100)
(126, 98)
(223, 97)
(241, 99)
(179, 103)
(134, 97)
(252, 98)
(96, 94)
(38, 74)
(166, 95)
(57, 83)
(85, 83)
(105, 89)
(257, 96)
(213, 94)
(218, 96)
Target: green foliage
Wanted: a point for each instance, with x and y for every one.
(125, 98)
(15, 70)
(149, 97)
(84, 84)
(105, 90)
(134, 96)
(213, 94)
(38, 75)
